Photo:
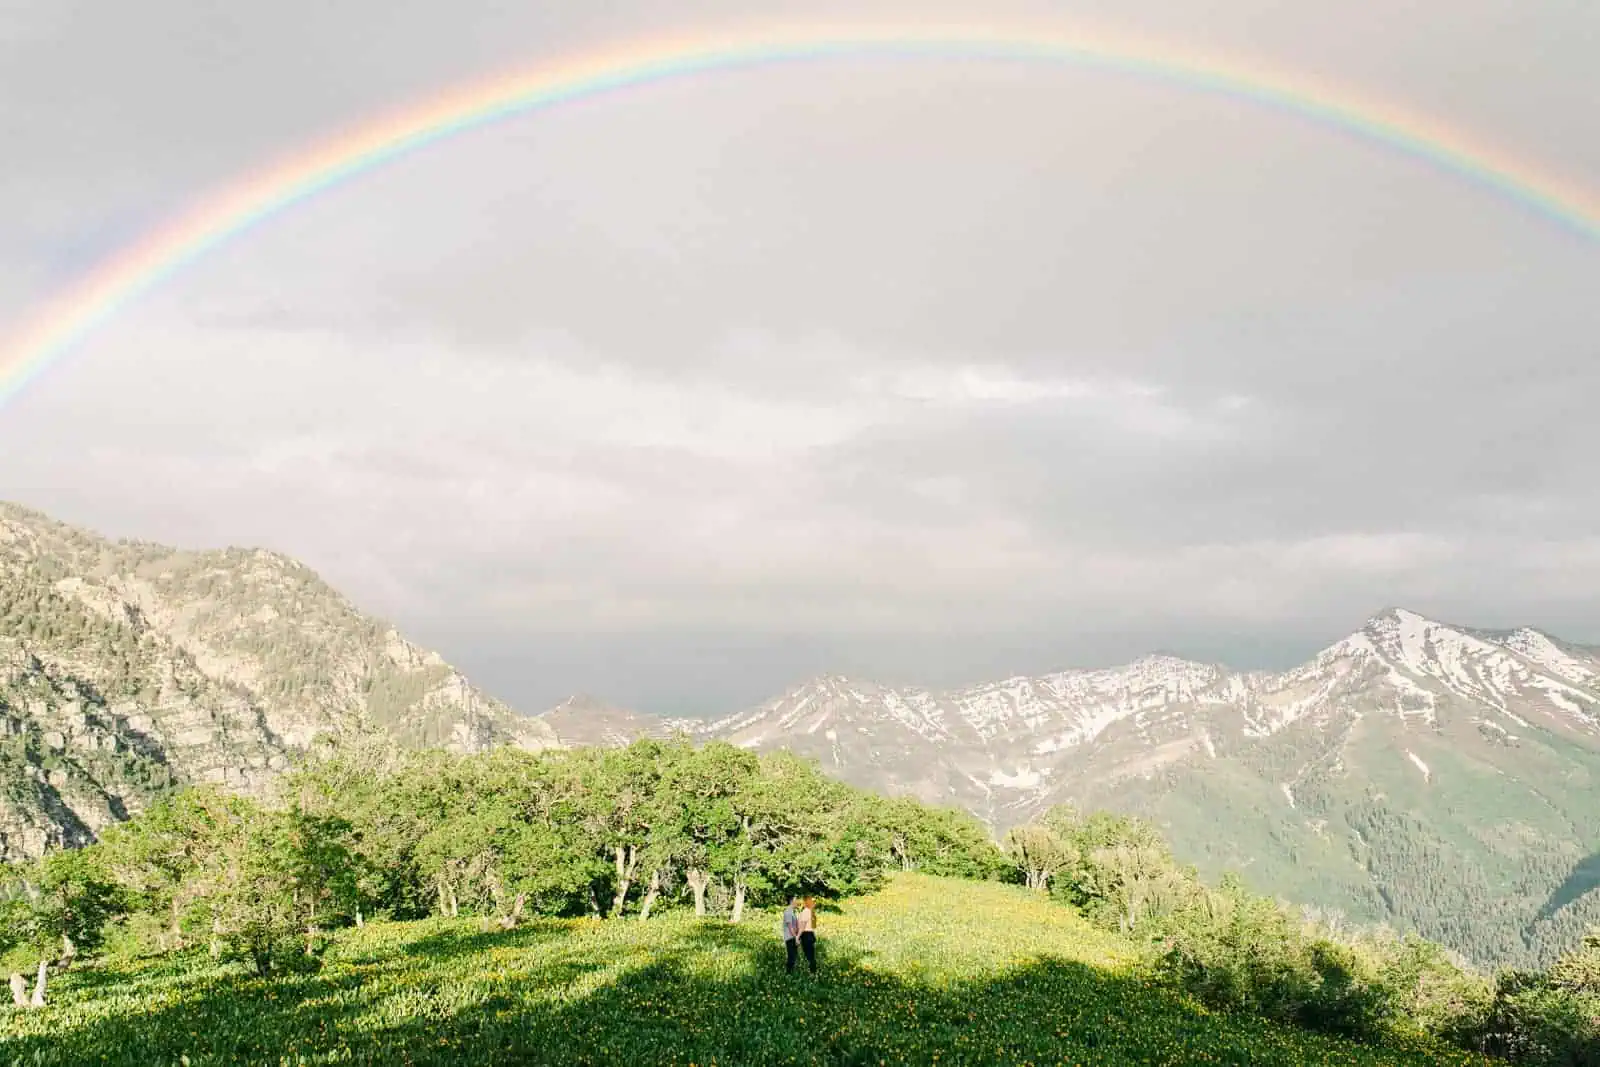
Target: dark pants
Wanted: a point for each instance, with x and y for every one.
(808, 942)
(794, 951)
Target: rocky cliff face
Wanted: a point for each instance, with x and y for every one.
(126, 669)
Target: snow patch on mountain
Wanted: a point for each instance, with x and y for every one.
(1538, 648)
(1023, 779)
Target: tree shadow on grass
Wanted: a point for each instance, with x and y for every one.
(453, 942)
(705, 994)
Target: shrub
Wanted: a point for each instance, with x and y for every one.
(1435, 994)
(1538, 1022)
(1579, 970)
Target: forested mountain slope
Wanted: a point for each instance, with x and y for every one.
(126, 668)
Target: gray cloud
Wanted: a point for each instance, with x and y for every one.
(924, 371)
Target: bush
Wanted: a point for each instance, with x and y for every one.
(1579, 971)
(1241, 953)
(1435, 994)
(1536, 1021)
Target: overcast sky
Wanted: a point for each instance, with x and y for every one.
(926, 371)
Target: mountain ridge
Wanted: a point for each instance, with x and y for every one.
(1437, 776)
(127, 668)
(1409, 745)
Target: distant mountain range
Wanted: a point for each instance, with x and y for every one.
(1433, 776)
(1428, 775)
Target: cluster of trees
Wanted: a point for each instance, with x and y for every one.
(1238, 951)
(366, 830)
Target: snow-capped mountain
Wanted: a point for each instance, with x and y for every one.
(1004, 749)
(1408, 745)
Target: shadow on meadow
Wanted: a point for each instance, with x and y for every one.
(700, 994)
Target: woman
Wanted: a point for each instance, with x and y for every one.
(807, 926)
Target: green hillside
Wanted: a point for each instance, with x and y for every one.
(926, 970)
(1485, 855)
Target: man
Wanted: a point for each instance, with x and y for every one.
(790, 929)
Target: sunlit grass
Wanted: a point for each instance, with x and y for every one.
(928, 971)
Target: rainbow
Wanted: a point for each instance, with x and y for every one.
(123, 277)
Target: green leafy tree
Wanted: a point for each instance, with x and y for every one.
(939, 841)
(291, 872)
(1038, 853)
(1579, 970)
(54, 910)
(626, 808)
(174, 855)
(704, 787)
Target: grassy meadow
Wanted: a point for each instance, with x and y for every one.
(927, 971)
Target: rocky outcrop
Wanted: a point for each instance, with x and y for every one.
(127, 669)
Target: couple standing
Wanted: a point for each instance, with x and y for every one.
(800, 931)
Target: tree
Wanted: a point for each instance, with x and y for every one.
(464, 857)
(627, 806)
(785, 833)
(292, 870)
(176, 854)
(363, 778)
(558, 857)
(704, 786)
(1579, 970)
(58, 908)
(1038, 853)
(940, 841)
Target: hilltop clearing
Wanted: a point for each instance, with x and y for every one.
(926, 970)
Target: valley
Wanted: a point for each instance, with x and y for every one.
(1412, 773)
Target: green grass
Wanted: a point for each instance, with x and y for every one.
(928, 971)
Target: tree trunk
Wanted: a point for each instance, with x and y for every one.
(174, 928)
(361, 923)
(594, 904)
(627, 864)
(738, 901)
(511, 919)
(650, 895)
(19, 990)
(69, 951)
(455, 904)
(698, 881)
(38, 986)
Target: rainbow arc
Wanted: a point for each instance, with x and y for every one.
(123, 277)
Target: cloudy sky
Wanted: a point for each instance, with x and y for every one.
(928, 371)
